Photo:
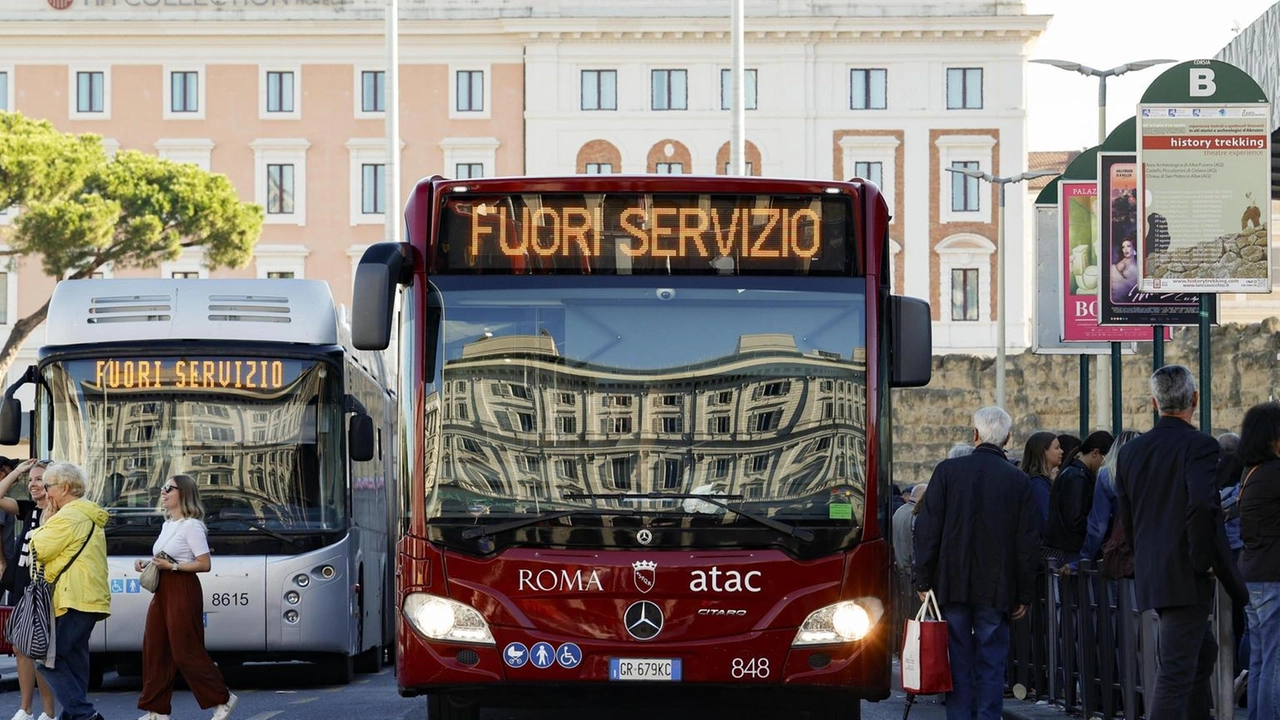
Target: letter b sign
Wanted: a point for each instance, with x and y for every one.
(1202, 84)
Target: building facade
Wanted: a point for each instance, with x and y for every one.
(287, 98)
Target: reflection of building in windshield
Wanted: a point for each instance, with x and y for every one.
(521, 425)
(250, 457)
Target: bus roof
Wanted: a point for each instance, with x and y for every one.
(103, 311)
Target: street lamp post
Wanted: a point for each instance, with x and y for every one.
(1102, 76)
(1157, 334)
(1000, 262)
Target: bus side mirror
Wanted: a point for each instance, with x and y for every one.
(360, 437)
(910, 342)
(11, 409)
(10, 421)
(383, 267)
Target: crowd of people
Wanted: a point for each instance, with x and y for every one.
(1173, 508)
(59, 534)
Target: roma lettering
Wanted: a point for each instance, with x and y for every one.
(686, 232)
(559, 580)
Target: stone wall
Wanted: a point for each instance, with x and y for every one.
(1043, 391)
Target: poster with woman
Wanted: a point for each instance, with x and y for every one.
(1120, 298)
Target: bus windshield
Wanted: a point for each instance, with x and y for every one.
(260, 436)
(613, 393)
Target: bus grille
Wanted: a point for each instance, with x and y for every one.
(249, 308)
(131, 308)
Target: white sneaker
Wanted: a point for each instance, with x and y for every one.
(23, 715)
(44, 716)
(223, 711)
(148, 716)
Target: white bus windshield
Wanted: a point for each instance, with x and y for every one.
(261, 436)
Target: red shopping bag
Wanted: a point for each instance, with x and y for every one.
(926, 664)
(5, 647)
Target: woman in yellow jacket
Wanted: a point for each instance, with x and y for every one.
(71, 542)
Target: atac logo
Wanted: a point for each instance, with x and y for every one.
(646, 574)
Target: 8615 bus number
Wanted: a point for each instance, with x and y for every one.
(229, 599)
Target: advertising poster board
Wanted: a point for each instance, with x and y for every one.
(1080, 267)
(1120, 299)
(1205, 189)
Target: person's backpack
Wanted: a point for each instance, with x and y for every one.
(1117, 553)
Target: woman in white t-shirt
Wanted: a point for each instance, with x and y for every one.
(174, 637)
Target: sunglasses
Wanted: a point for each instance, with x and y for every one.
(168, 488)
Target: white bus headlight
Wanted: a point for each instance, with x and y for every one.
(845, 621)
(440, 618)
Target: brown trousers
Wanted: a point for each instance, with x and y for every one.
(174, 641)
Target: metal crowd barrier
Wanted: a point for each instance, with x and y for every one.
(1085, 646)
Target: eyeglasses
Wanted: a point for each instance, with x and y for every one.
(168, 488)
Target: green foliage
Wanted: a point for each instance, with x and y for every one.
(81, 210)
(38, 163)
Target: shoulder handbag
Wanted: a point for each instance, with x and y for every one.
(926, 662)
(31, 628)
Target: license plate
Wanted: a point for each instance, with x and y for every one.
(662, 669)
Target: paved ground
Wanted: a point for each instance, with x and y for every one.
(260, 703)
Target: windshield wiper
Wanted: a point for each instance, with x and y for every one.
(480, 531)
(255, 525)
(800, 534)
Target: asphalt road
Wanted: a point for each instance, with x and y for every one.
(290, 692)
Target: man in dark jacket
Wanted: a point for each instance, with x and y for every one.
(1167, 498)
(977, 543)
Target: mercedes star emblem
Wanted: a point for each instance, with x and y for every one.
(644, 537)
(643, 620)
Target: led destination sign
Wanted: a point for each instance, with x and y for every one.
(194, 374)
(690, 233)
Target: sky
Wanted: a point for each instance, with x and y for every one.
(1063, 106)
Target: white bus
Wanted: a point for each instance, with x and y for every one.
(252, 388)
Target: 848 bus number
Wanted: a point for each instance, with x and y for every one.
(229, 599)
(749, 667)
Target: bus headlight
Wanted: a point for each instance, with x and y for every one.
(440, 618)
(843, 622)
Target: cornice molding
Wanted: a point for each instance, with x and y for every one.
(926, 28)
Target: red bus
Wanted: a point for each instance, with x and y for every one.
(645, 424)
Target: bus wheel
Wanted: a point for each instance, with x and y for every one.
(443, 707)
(338, 670)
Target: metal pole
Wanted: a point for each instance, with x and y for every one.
(1117, 412)
(392, 98)
(1206, 365)
(1157, 358)
(1084, 396)
(737, 154)
(1000, 293)
(1117, 374)
(1107, 365)
(1102, 108)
